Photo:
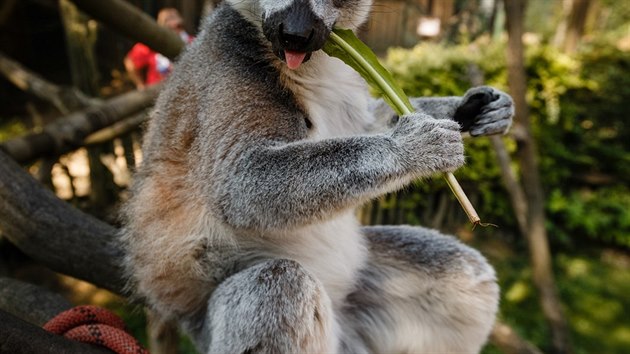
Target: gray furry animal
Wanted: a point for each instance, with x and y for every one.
(241, 223)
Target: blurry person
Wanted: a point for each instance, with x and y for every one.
(146, 66)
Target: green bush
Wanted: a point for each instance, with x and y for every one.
(577, 106)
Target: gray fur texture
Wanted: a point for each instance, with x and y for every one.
(241, 222)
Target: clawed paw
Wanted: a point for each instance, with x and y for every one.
(485, 111)
(430, 145)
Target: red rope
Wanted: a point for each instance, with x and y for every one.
(95, 325)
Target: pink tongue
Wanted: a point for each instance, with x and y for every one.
(294, 59)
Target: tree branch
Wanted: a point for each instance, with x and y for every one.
(18, 336)
(64, 99)
(134, 24)
(509, 342)
(54, 233)
(112, 132)
(69, 133)
(29, 302)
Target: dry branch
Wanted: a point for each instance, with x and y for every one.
(64, 99)
(506, 339)
(118, 129)
(69, 133)
(54, 233)
(18, 337)
(512, 186)
(29, 302)
(134, 24)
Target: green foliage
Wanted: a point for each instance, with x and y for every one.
(596, 292)
(617, 15)
(602, 214)
(593, 285)
(11, 128)
(345, 45)
(136, 321)
(584, 143)
(442, 73)
(577, 103)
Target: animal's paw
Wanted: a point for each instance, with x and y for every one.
(485, 111)
(429, 145)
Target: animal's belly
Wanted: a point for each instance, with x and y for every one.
(333, 251)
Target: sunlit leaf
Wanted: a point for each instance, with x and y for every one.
(345, 45)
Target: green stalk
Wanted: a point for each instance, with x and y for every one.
(344, 45)
(401, 105)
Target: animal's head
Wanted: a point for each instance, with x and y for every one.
(296, 28)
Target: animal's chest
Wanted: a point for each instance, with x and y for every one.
(333, 251)
(335, 99)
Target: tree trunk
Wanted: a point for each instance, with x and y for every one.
(575, 24)
(81, 36)
(527, 154)
(509, 341)
(515, 192)
(571, 28)
(192, 10)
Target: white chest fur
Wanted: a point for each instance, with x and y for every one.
(336, 100)
(334, 95)
(333, 251)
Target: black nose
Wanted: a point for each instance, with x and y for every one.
(295, 38)
(295, 28)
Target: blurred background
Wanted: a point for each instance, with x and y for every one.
(557, 186)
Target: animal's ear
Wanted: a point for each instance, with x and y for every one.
(351, 13)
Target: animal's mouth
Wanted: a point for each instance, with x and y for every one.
(295, 32)
(294, 58)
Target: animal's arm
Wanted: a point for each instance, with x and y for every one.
(277, 186)
(482, 110)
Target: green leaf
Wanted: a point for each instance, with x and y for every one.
(343, 44)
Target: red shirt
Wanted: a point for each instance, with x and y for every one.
(156, 65)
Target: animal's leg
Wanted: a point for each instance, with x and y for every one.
(272, 307)
(421, 292)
